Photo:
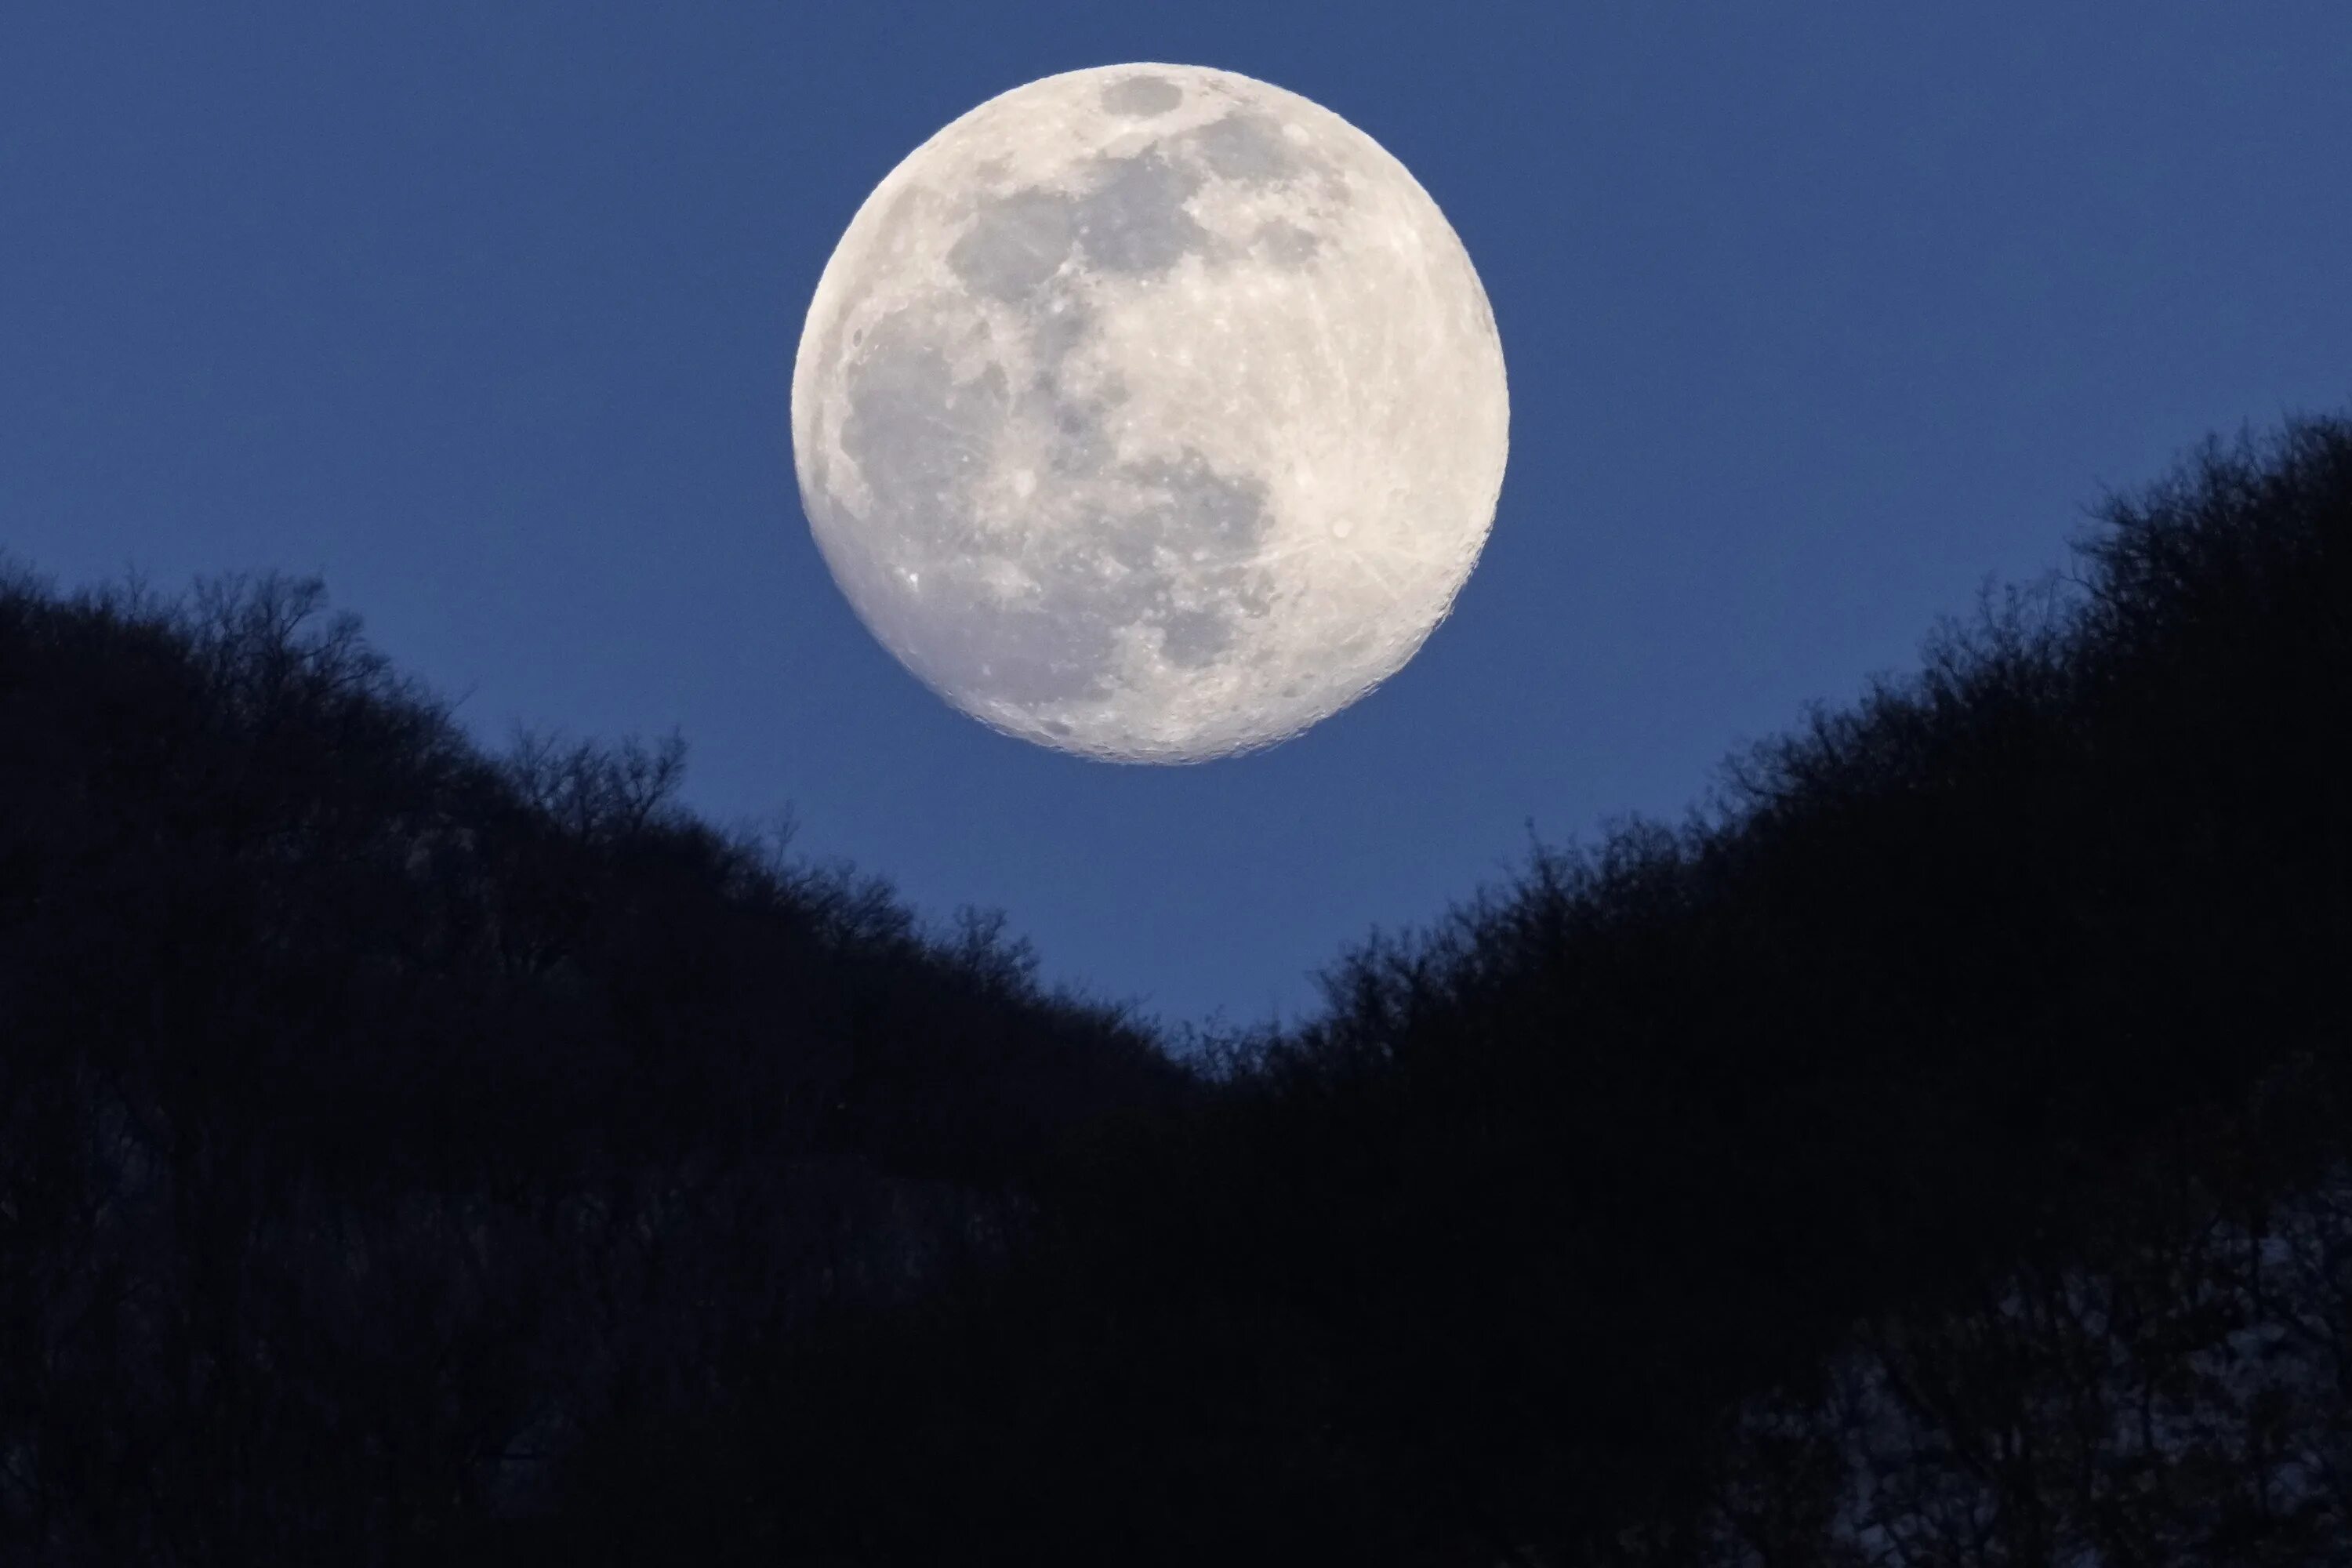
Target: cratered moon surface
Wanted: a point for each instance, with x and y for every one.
(1150, 412)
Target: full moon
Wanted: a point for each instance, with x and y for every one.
(1149, 412)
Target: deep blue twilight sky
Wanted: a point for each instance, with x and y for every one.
(1814, 315)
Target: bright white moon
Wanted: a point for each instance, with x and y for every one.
(1150, 412)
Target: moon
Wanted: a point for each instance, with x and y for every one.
(1150, 412)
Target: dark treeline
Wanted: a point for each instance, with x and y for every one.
(1937, 1149)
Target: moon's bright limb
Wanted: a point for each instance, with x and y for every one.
(1150, 412)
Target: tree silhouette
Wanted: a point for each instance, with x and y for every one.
(1931, 1150)
(375, 1116)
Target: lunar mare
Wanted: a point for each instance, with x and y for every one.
(1149, 412)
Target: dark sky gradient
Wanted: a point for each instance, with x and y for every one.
(1814, 317)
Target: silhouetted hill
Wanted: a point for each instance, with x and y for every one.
(1933, 1150)
(371, 1109)
(1934, 1146)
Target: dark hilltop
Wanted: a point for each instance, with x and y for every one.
(1936, 1149)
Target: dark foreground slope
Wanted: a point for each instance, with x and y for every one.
(1934, 1152)
(377, 1117)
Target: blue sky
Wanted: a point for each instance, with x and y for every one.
(1815, 316)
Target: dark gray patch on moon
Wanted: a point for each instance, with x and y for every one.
(1191, 638)
(1131, 216)
(1248, 147)
(1206, 515)
(1016, 244)
(1197, 527)
(1201, 527)
(1077, 445)
(1286, 244)
(1056, 331)
(1022, 654)
(922, 440)
(1133, 220)
(919, 435)
(1141, 96)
